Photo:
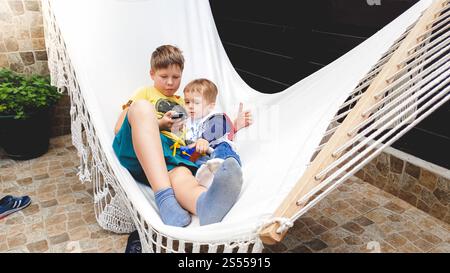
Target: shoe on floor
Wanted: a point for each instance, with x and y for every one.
(10, 204)
(134, 243)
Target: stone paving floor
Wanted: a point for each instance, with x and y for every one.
(356, 217)
(61, 216)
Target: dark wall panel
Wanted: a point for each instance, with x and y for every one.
(266, 42)
(274, 44)
(357, 17)
(430, 139)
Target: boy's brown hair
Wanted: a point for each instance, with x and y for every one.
(165, 56)
(203, 86)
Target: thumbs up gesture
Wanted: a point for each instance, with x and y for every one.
(243, 119)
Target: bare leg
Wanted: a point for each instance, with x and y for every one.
(186, 188)
(147, 143)
(147, 146)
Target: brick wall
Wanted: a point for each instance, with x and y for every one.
(61, 117)
(425, 189)
(22, 45)
(22, 49)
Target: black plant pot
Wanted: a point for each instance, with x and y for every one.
(25, 138)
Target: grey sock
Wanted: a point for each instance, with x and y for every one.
(171, 212)
(215, 203)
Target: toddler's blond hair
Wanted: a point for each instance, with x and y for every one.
(205, 87)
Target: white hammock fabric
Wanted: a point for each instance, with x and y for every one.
(99, 50)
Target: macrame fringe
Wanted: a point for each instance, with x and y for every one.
(111, 213)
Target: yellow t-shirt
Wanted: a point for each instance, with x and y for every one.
(153, 95)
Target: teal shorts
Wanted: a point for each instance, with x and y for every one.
(123, 147)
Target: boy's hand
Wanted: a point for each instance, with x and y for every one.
(243, 119)
(201, 146)
(166, 123)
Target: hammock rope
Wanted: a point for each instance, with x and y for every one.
(406, 92)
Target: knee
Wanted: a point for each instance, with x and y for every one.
(181, 178)
(179, 172)
(141, 108)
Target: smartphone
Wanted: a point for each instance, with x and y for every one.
(177, 115)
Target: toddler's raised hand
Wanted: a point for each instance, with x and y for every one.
(243, 119)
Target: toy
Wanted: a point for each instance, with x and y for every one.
(191, 154)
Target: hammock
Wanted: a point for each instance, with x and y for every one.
(320, 130)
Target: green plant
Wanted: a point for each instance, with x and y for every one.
(22, 95)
